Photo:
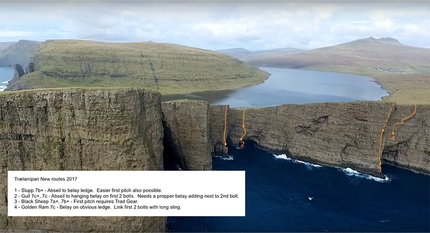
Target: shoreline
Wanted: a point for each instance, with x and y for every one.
(4, 84)
(371, 76)
(369, 172)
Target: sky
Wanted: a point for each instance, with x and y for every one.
(253, 25)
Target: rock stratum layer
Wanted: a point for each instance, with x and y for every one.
(335, 134)
(80, 130)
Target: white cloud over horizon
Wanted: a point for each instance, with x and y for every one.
(218, 25)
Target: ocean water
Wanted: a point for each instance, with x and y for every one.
(6, 74)
(278, 190)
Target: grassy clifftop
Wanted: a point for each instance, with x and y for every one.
(167, 68)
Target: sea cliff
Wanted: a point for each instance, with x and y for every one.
(131, 129)
(335, 134)
(80, 130)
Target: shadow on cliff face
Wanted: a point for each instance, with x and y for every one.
(218, 149)
(172, 158)
(395, 154)
(252, 141)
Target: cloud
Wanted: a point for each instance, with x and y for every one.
(217, 25)
(7, 33)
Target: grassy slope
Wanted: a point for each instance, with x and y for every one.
(167, 68)
(407, 69)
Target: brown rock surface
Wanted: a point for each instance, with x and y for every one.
(188, 121)
(80, 130)
(336, 134)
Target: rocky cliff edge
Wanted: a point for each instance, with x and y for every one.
(335, 134)
(80, 130)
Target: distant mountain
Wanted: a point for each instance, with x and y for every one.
(388, 40)
(234, 50)
(4, 45)
(18, 53)
(238, 53)
(384, 54)
(246, 55)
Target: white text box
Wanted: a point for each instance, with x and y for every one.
(126, 193)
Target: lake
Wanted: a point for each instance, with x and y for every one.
(6, 74)
(289, 86)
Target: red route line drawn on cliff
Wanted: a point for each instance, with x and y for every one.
(242, 143)
(225, 128)
(403, 121)
(380, 138)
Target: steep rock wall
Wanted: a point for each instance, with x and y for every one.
(187, 125)
(80, 130)
(336, 134)
(18, 53)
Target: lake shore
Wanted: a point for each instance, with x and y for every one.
(402, 88)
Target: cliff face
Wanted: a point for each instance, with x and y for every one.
(187, 125)
(80, 130)
(19, 71)
(337, 134)
(18, 53)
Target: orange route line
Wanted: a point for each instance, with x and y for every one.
(403, 121)
(225, 128)
(380, 138)
(242, 143)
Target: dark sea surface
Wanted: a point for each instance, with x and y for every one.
(278, 191)
(290, 86)
(6, 74)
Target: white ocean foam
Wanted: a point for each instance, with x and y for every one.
(228, 157)
(351, 172)
(307, 164)
(282, 156)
